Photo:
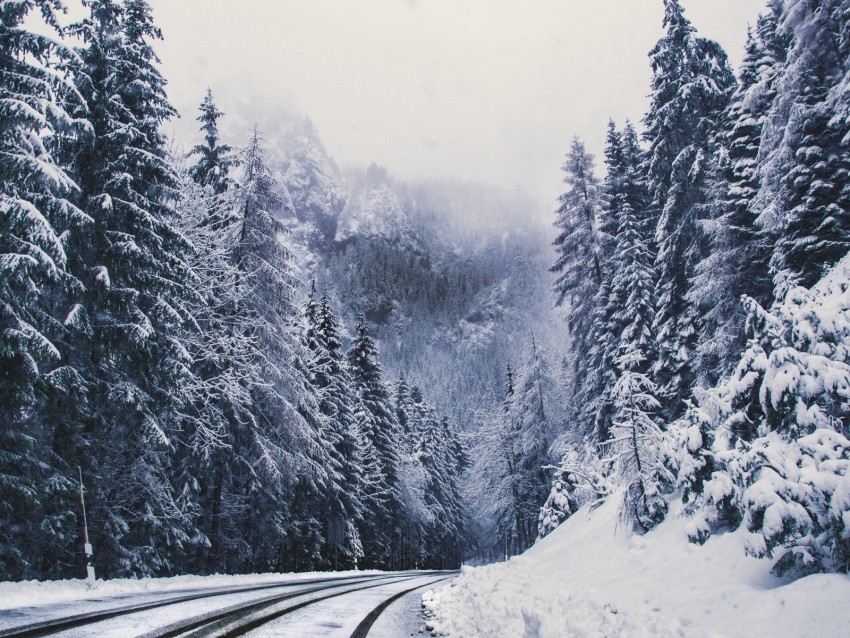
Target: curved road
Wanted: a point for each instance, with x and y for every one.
(347, 607)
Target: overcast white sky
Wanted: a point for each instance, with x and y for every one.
(488, 90)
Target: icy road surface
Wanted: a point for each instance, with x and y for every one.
(351, 604)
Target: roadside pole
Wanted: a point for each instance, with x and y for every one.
(87, 548)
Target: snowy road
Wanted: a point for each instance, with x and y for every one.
(350, 606)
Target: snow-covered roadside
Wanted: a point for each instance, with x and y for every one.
(591, 578)
(14, 595)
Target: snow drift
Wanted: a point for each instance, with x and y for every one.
(591, 577)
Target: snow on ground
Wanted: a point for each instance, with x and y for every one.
(590, 578)
(14, 595)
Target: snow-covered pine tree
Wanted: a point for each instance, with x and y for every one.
(814, 161)
(492, 487)
(215, 159)
(380, 426)
(690, 89)
(443, 458)
(615, 163)
(405, 406)
(511, 451)
(592, 400)
(578, 241)
(132, 261)
(36, 289)
(622, 188)
(632, 311)
(622, 322)
(738, 261)
(372, 488)
(636, 439)
(219, 419)
(531, 417)
(330, 377)
(636, 448)
(291, 468)
(582, 280)
(412, 412)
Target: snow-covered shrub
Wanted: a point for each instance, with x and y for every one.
(797, 496)
(638, 449)
(579, 479)
(769, 446)
(559, 505)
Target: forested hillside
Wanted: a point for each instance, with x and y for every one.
(451, 279)
(707, 295)
(163, 339)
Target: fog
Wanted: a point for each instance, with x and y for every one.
(485, 90)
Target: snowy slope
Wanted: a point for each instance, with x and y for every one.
(591, 578)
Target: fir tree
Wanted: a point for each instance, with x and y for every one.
(214, 158)
(578, 243)
(636, 448)
(380, 427)
(443, 458)
(737, 263)
(818, 225)
(580, 248)
(690, 89)
(132, 261)
(512, 450)
(625, 201)
(635, 436)
(533, 432)
(37, 291)
(288, 456)
(775, 434)
(804, 156)
(341, 435)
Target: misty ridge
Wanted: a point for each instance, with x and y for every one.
(444, 271)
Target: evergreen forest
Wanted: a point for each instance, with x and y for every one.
(248, 359)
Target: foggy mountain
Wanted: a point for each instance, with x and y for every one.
(447, 274)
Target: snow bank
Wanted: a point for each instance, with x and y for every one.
(590, 578)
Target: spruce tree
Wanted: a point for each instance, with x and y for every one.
(329, 374)
(774, 434)
(214, 158)
(578, 242)
(413, 416)
(443, 458)
(532, 434)
(37, 291)
(690, 89)
(580, 248)
(818, 224)
(803, 159)
(738, 261)
(132, 262)
(635, 434)
(290, 466)
(624, 195)
(380, 426)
